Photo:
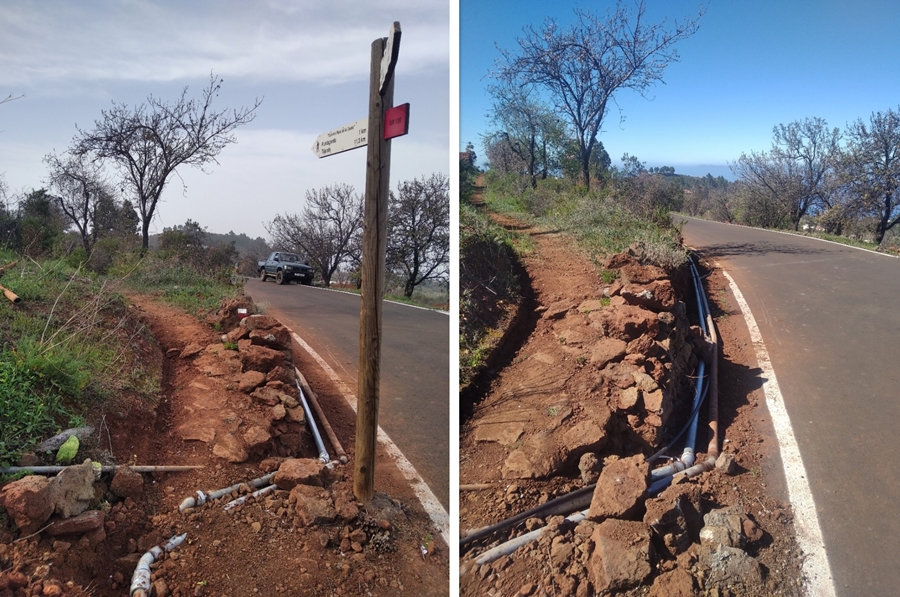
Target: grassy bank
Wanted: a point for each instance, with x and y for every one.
(602, 222)
(489, 286)
(71, 350)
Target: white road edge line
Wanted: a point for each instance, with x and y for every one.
(819, 582)
(426, 497)
(385, 300)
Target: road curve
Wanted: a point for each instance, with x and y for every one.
(830, 318)
(415, 379)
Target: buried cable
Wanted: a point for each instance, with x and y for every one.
(140, 580)
(314, 403)
(562, 505)
(202, 498)
(255, 494)
(513, 544)
(323, 453)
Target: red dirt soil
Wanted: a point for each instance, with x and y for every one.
(513, 394)
(255, 549)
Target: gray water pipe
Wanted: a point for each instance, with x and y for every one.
(687, 460)
(702, 307)
(661, 477)
(513, 544)
(140, 580)
(712, 450)
(687, 456)
(565, 504)
(317, 408)
(202, 498)
(244, 498)
(323, 453)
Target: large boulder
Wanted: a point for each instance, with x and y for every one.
(127, 483)
(539, 457)
(723, 526)
(621, 489)
(656, 296)
(674, 517)
(85, 522)
(261, 358)
(228, 315)
(250, 380)
(256, 438)
(627, 322)
(729, 566)
(607, 350)
(29, 502)
(622, 554)
(300, 471)
(73, 489)
(267, 331)
(675, 583)
(312, 505)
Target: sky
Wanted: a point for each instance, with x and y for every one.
(307, 60)
(750, 66)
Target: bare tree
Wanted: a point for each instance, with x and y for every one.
(771, 188)
(10, 98)
(871, 169)
(501, 156)
(78, 185)
(797, 176)
(327, 230)
(419, 224)
(528, 127)
(583, 67)
(149, 142)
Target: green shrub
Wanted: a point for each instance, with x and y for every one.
(34, 396)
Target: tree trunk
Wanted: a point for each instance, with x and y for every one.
(531, 165)
(586, 165)
(145, 236)
(883, 226)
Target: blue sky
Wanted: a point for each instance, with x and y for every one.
(309, 60)
(751, 66)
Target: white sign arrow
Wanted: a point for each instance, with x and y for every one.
(391, 52)
(344, 138)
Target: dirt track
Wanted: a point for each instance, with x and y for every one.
(557, 273)
(259, 548)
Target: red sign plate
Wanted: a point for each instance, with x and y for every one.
(396, 121)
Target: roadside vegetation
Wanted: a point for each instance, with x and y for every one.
(71, 349)
(489, 288)
(547, 167)
(74, 248)
(820, 181)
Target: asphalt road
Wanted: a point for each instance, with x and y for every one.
(414, 408)
(830, 318)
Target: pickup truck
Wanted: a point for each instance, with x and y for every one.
(284, 267)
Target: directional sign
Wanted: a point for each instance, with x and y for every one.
(396, 121)
(345, 138)
(391, 51)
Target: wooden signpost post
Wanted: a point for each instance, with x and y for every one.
(384, 123)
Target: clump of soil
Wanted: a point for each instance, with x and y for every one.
(595, 377)
(306, 537)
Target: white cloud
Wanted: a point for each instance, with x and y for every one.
(319, 42)
(269, 171)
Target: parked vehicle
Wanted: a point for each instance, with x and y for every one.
(284, 267)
